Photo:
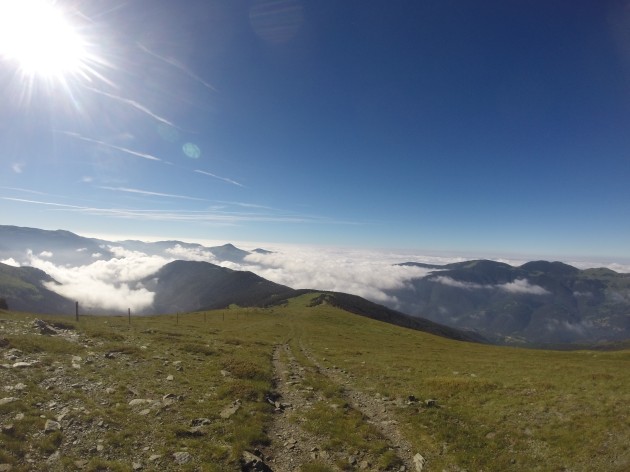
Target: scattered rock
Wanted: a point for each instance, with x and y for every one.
(230, 410)
(418, 462)
(7, 428)
(136, 466)
(182, 457)
(22, 365)
(200, 422)
(45, 328)
(51, 426)
(154, 457)
(431, 403)
(170, 378)
(253, 463)
(139, 401)
(6, 467)
(4, 401)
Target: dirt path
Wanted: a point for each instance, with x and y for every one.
(375, 409)
(292, 446)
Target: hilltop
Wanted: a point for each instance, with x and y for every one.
(302, 386)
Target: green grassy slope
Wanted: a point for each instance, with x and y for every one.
(499, 408)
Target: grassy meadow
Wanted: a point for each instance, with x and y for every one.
(495, 408)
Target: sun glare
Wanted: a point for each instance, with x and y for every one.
(42, 42)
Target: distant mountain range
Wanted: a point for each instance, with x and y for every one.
(69, 249)
(186, 286)
(539, 302)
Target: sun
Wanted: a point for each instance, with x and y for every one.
(40, 39)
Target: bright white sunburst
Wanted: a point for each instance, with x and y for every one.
(42, 42)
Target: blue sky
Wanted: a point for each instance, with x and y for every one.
(451, 126)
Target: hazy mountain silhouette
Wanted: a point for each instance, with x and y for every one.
(538, 302)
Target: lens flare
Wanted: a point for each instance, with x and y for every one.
(40, 39)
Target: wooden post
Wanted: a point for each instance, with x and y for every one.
(129, 314)
(76, 310)
(177, 322)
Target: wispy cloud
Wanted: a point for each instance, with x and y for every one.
(36, 202)
(524, 287)
(459, 284)
(111, 146)
(133, 104)
(17, 168)
(247, 205)
(177, 65)
(149, 193)
(230, 181)
(519, 286)
(25, 190)
(193, 216)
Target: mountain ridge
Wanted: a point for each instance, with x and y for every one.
(537, 302)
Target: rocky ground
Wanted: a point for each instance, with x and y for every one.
(294, 445)
(58, 410)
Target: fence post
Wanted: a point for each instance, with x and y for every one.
(76, 310)
(129, 314)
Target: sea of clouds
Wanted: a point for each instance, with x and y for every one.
(114, 284)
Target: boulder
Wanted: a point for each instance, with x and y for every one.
(182, 457)
(253, 463)
(45, 328)
(418, 462)
(51, 426)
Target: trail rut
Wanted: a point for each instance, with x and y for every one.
(293, 446)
